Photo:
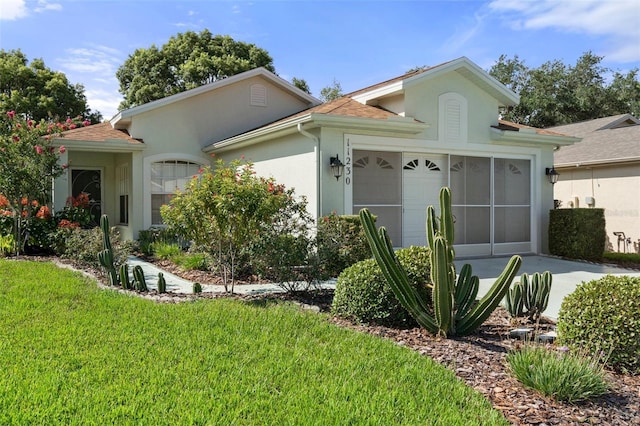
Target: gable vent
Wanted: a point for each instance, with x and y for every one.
(258, 95)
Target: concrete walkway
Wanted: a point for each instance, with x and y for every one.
(566, 276)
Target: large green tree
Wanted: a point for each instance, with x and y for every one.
(38, 93)
(555, 93)
(186, 61)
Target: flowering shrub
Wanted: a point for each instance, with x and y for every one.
(28, 164)
(232, 214)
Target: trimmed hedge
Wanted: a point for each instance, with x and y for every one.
(602, 317)
(577, 233)
(362, 293)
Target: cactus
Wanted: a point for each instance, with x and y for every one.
(124, 277)
(197, 287)
(452, 299)
(530, 293)
(139, 282)
(106, 255)
(162, 283)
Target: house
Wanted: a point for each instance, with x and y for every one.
(399, 142)
(603, 170)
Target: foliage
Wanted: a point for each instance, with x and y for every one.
(340, 243)
(82, 246)
(186, 61)
(6, 245)
(38, 92)
(105, 256)
(454, 311)
(197, 288)
(192, 261)
(529, 296)
(556, 94)
(331, 92)
(577, 233)
(147, 237)
(603, 316)
(563, 376)
(301, 84)
(229, 211)
(164, 251)
(362, 293)
(73, 354)
(28, 165)
(622, 257)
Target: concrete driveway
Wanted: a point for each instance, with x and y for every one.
(566, 274)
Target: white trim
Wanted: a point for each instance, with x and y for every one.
(146, 178)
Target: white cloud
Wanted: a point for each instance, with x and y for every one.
(97, 60)
(11, 10)
(104, 100)
(43, 6)
(617, 21)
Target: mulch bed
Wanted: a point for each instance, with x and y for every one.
(478, 360)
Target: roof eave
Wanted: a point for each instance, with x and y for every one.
(527, 138)
(598, 163)
(108, 145)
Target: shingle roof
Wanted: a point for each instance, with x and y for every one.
(99, 133)
(604, 140)
(508, 125)
(347, 107)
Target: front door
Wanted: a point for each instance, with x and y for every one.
(89, 181)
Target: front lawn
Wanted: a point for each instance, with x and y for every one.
(71, 353)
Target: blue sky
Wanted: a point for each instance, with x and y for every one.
(357, 43)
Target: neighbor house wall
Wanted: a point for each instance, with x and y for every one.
(614, 188)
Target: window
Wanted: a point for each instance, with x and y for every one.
(166, 178)
(123, 194)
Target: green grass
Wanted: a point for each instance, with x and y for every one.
(73, 354)
(564, 376)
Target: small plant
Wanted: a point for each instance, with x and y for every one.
(455, 312)
(82, 246)
(165, 251)
(6, 245)
(562, 375)
(139, 282)
(197, 287)
(603, 316)
(362, 294)
(192, 261)
(162, 283)
(529, 296)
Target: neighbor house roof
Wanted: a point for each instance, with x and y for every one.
(607, 140)
(99, 133)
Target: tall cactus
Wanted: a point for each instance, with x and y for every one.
(106, 255)
(124, 277)
(454, 312)
(139, 282)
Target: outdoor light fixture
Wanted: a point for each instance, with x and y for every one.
(552, 175)
(336, 166)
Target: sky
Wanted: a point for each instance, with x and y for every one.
(356, 43)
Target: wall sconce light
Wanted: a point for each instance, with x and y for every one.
(552, 175)
(336, 166)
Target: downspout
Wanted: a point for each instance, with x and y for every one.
(316, 150)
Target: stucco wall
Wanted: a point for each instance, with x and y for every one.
(616, 189)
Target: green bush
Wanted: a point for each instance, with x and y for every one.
(192, 261)
(622, 257)
(165, 251)
(563, 376)
(363, 294)
(153, 235)
(341, 243)
(82, 246)
(577, 233)
(6, 245)
(603, 318)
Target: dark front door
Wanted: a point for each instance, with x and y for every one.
(89, 182)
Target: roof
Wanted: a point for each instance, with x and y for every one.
(99, 133)
(516, 127)
(606, 140)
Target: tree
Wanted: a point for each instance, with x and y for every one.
(37, 92)
(556, 94)
(301, 84)
(28, 165)
(332, 92)
(186, 61)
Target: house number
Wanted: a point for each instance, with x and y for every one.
(347, 164)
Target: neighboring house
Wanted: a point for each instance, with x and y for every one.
(400, 141)
(603, 170)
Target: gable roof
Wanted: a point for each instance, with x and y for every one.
(462, 66)
(101, 132)
(606, 140)
(124, 116)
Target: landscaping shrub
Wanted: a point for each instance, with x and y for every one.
(622, 257)
(82, 246)
(165, 251)
(341, 243)
(577, 233)
(363, 294)
(6, 245)
(603, 318)
(193, 261)
(153, 235)
(562, 375)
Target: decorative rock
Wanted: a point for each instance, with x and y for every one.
(521, 333)
(548, 337)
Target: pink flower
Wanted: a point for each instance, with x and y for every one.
(11, 114)
(65, 166)
(16, 138)
(72, 126)
(68, 120)
(30, 123)
(86, 123)
(38, 149)
(62, 149)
